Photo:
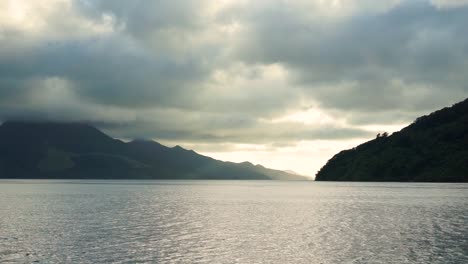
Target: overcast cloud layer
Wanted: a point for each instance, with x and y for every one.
(249, 76)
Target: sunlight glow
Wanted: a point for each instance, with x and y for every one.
(313, 116)
(305, 158)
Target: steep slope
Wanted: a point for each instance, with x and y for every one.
(432, 149)
(74, 150)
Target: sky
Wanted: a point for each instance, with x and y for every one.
(283, 83)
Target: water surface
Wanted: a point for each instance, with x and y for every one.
(92, 221)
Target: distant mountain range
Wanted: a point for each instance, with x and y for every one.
(40, 150)
(432, 149)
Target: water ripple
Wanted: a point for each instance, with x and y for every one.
(232, 222)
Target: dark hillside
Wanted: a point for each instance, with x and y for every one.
(432, 149)
(76, 150)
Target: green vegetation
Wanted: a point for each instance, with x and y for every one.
(432, 149)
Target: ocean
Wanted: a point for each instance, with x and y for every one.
(106, 221)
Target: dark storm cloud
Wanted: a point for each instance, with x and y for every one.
(106, 70)
(368, 61)
(194, 71)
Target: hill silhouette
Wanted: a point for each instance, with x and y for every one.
(434, 148)
(79, 151)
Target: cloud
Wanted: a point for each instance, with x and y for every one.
(366, 61)
(203, 127)
(449, 3)
(265, 73)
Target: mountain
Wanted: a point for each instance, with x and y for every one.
(433, 148)
(76, 151)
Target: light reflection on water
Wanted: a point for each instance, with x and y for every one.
(232, 222)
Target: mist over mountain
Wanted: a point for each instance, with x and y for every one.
(78, 150)
(434, 148)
